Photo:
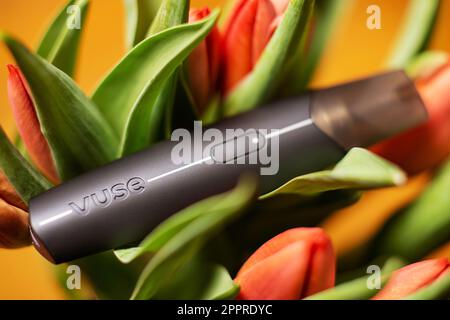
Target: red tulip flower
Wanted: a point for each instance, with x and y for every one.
(203, 63)
(412, 278)
(428, 145)
(247, 32)
(13, 217)
(293, 265)
(28, 123)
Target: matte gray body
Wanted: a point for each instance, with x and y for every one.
(61, 234)
(123, 222)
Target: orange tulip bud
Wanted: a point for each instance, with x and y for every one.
(246, 35)
(28, 123)
(412, 278)
(13, 217)
(293, 265)
(203, 63)
(428, 145)
(280, 6)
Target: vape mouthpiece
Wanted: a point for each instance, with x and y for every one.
(119, 204)
(364, 112)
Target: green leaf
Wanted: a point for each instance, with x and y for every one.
(186, 239)
(26, 180)
(258, 86)
(139, 17)
(426, 63)
(170, 14)
(439, 289)
(18, 143)
(200, 280)
(422, 226)
(167, 230)
(358, 289)
(212, 112)
(359, 169)
(79, 138)
(109, 278)
(326, 16)
(182, 113)
(415, 32)
(128, 105)
(60, 44)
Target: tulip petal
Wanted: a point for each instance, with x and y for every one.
(438, 290)
(357, 289)
(320, 259)
(203, 63)
(279, 242)
(13, 226)
(198, 73)
(236, 9)
(279, 277)
(323, 265)
(28, 124)
(238, 44)
(261, 84)
(213, 43)
(262, 29)
(246, 36)
(280, 6)
(412, 278)
(13, 216)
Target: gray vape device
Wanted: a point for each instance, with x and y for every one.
(120, 203)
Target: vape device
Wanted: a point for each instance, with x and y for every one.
(120, 203)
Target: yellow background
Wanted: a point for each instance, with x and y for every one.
(353, 51)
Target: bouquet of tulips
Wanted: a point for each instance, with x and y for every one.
(186, 64)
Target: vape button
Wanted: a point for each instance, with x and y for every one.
(238, 147)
